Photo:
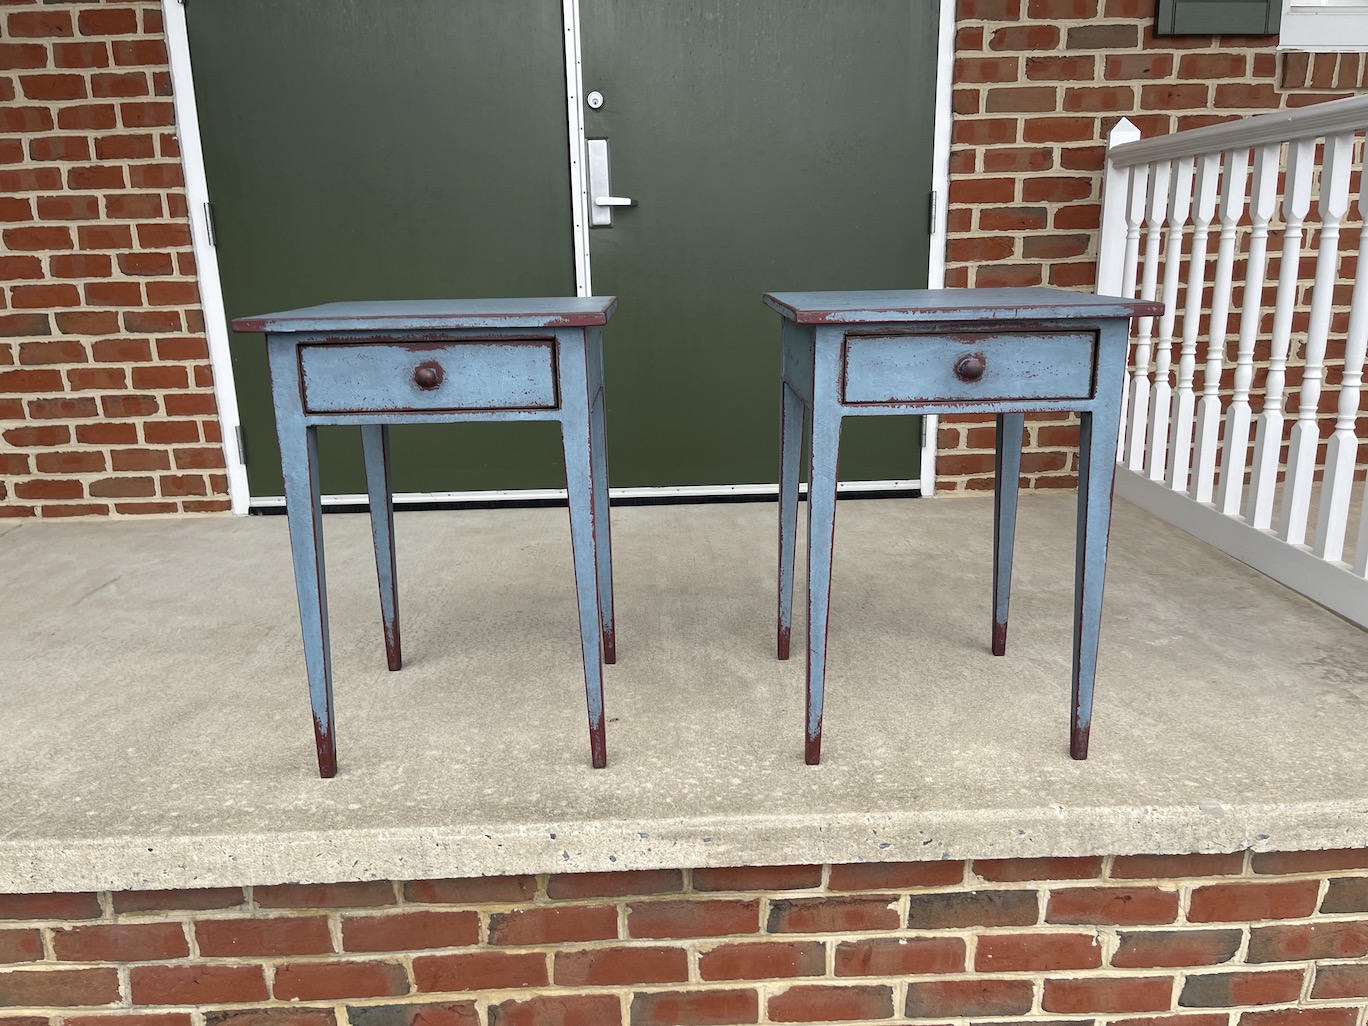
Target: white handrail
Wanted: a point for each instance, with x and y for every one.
(1312, 122)
(1191, 461)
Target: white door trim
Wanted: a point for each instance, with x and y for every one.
(206, 257)
(940, 184)
(579, 193)
(211, 287)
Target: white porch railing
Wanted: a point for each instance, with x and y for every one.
(1215, 441)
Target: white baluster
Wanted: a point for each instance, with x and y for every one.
(1263, 199)
(1135, 212)
(1209, 409)
(1268, 434)
(1156, 209)
(1341, 453)
(1305, 440)
(1180, 433)
(1161, 395)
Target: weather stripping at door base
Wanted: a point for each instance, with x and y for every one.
(527, 497)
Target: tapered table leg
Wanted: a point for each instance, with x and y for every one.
(1006, 478)
(375, 447)
(299, 461)
(1096, 473)
(790, 453)
(304, 511)
(826, 441)
(576, 433)
(603, 542)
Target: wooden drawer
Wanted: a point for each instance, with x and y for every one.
(387, 377)
(970, 367)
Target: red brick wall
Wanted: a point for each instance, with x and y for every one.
(1038, 85)
(1192, 940)
(106, 395)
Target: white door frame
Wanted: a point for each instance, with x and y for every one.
(206, 256)
(216, 323)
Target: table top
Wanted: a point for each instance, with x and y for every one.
(436, 315)
(929, 305)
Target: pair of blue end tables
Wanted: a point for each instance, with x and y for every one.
(843, 354)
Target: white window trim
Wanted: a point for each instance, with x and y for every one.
(1324, 27)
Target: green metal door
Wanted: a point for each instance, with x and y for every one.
(418, 149)
(770, 145)
(409, 149)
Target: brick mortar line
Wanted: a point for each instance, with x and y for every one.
(109, 915)
(1104, 934)
(116, 275)
(768, 987)
(705, 945)
(765, 990)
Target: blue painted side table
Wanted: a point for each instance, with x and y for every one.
(1003, 351)
(441, 361)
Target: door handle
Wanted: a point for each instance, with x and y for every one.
(602, 200)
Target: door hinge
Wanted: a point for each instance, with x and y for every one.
(241, 445)
(209, 224)
(931, 211)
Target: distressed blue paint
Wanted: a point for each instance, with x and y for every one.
(797, 360)
(378, 377)
(823, 456)
(1097, 447)
(1006, 481)
(375, 448)
(790, 454)
(299, 463)
(435, 417)
(921, 368)
(577, 438)
(985, 307)
(487, 373)
(598, 451)
(420, 315)
(1042, 349)
(796, 375)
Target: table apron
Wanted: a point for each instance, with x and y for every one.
(986, 406)
(432, 417)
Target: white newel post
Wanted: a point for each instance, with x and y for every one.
(1113, 240)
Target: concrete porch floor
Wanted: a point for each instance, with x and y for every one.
(156, 729)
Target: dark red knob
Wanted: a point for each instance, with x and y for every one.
(428, 375)
(970, 367)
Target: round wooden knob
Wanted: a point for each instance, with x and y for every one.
(970, 367)
(428, 375)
